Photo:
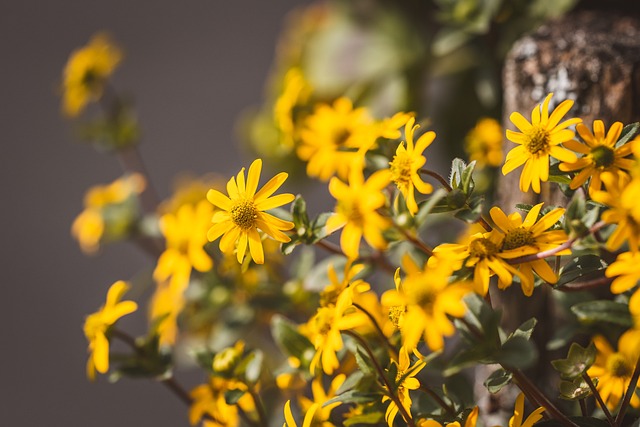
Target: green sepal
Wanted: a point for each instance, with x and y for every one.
(578, 360)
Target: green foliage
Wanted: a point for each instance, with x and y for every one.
(578, 360)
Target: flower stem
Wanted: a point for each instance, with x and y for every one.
(377, 327)
(262, 415)
(596, 394)
(415, 241)
(392, 395)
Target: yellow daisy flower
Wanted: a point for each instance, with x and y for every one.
(518, 414)
(185, 236)
(405, 381)
(425, 299)
(334, 139)
(614, 369)
(86, 73)
(600, 155)
(316, 413)
(166, 303)
(295, 91)
(482, 252)
(537, 141)
(243, 213)
(483, 143)
(406, 165)
(627, 269)
(621, 196)
(356, 208)
(529, 237)
(208, 401)
(471, 421)
(97, 324)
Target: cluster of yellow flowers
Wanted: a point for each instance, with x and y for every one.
(366, 341)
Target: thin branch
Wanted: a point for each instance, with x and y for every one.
(262, 415)
(629, 393)
(450, 410)
(375, 259)
(585, 285)
(377, 327)
(596, 394)
(415, 241)
(566, 245)
(392, 395)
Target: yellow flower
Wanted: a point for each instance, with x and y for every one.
(471, 421)
(208, 401)
(405, 381)
(185, 236)
(529, 237)
(323, 330)
(482, 252)
(483, 143)
(356, 210)
(614, 369)
(518, 414)
(295, 91)
(243, 213)
(90, 227)
(428, 299)
(600, 155)
(166, 303)
(406, 165)
(97, 324)
(316, 412)
(334, 139)
(537, 141)
(627, 269)
(189, 190)
(621, 196)
(86, 73)
(345, 287)
(289, 421)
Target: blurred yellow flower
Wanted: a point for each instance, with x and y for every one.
(185, 236)
(166, 304)
(471, 421)
(406, 165)
(295, 91)
(614, 369)
(243, 213)
(405, 381)
(90, 227)
(621, 196)
(335, 138)
(600, 155)
(86, 73)
(318, 414)
(356, 205)
(537, 141)
(208, 403)
(529, 237)
(626, 270)
(97, 325)
(428, 300)
(483, 143)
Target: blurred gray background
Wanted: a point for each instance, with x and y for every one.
(193, 66)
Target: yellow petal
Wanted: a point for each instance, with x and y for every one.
(270, 187)
(255, 246)
(220, 200)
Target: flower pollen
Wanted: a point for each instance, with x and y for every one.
(617, 365)
(538, 140)
(401, 169)
(244, 214)
(482, 248)
(517, 238)
(603, 156)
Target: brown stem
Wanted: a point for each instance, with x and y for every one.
(377, 327)
(587, 284)
(596, 394)
(415, 241)
(392, 395)
(376, 259)
(583, 407)
(450, 410)
(131, 162)
(262, 415)
(481, 220)
(629, 393)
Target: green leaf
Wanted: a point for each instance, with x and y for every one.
(574, 390)
(292, 342)
(603, 311)
(253, 366)
(497, 380)
(517, 352)
(628, 132)
(299, 213)
(578, 360)
(427, 207)
(363, 362)
(232, 396)
(586, 265)
(526, 329)
(375, 417)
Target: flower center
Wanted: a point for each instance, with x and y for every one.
(617, 365)
(351, 210)
(517, 238)
(426, 298)
(401, 169)
(538, 140)
(603, 156)
(482, 248)
(341, 136)
(244, 214)
(396, 313)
